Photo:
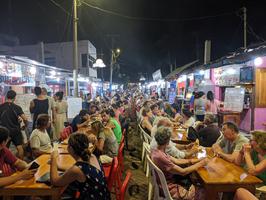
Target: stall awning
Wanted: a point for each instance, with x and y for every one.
(179, 70)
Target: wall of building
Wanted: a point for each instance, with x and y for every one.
(55, 54)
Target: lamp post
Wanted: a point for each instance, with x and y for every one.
(99, 64)
(114, 56)
(75, 49)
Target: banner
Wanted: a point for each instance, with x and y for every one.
(157, 75)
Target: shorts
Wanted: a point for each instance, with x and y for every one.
(16, 137)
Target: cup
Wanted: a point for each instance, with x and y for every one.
(55, 146)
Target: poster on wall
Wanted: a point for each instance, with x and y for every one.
(234, 99)
(172, 92)
(227, 75)
(74, 106)
(23, 100)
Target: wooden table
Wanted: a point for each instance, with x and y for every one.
(31, 188)
(222, 176)
(181, 136)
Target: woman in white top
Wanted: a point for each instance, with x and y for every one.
(39, 140)
(61, 114)
(188, 118)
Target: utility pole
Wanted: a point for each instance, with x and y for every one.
(112, 36)
(245, 26)
(75, 49)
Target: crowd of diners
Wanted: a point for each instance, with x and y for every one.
(100, 125)
(158, 119)
(103, 120)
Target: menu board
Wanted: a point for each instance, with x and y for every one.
(234, 99)
(74, 106)
(23, 100)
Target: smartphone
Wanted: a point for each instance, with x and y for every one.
(34, 165)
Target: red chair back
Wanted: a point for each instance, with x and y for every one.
(113, 174)
(120, 159)
(125, 185)
(122, 141)
(124, 131)
(65, 133)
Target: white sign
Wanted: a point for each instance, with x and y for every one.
(74, 106)
(23, 100)
(234, 99)
(157, 75)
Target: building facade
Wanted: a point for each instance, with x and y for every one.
(58, 55)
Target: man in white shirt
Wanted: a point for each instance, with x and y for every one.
(175, 150)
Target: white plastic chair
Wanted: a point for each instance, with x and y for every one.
(146, 136)
(161, 191)
(147, 150)
(262, 191)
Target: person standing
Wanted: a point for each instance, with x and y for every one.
(61, 114)
(51, 110)
(11, 116)
(212, 104)
(200, 106)
(39, 105)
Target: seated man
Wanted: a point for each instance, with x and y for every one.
(230, 143)
(80, 120)
(172, 149)
(9, 163)
(112, 123)
(210, 133)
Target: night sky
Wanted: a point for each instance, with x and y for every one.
(152, 34)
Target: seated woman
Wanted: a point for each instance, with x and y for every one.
(85, 179)
(169, 110)
(146, 120)
(188, 118)
(253, 155)
(106, 142)
(40, 142)
(80, 120)
(210, 133)
(9, 164)
(170, 167)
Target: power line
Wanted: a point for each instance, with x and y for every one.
(154, 19)
(59, 6)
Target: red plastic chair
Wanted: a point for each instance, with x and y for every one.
(122, 141)
(120, 160)
(124, 186)
(65, 133)
(110, 173)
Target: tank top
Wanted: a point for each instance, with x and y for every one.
(95, 186)
(40, 107)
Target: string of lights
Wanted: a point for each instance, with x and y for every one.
(155, 19)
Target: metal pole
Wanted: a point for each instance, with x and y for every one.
(245, 26)
(75, 49)
(111, 71)
(42, 52)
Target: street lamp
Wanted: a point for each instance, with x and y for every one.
(100, 64)
(114, 56)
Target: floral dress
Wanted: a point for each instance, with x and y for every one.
(95, 186)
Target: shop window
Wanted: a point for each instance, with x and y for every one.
(84, 60)
(50, 61)
(91, 61)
